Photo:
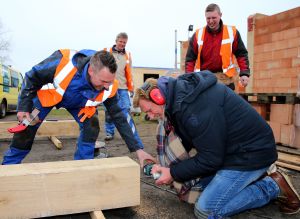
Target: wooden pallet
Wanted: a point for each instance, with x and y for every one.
(274, 98)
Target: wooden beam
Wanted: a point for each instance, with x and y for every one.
(97, 215)
(289, 158)
(289, 166)
(56, 142)
(34, 190)
(48, 128)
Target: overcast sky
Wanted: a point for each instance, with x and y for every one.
(37, 28)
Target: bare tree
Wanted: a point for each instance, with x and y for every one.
(4, 44)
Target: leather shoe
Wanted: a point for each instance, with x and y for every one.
(288, 198)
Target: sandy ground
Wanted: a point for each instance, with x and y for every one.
(155, 203)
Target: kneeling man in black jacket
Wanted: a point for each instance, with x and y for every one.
(234, 146)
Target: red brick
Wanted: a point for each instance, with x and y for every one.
(277, 26)
(296, 119)
(295, 42)
(264, 56)
(286, 134)
(294, 72)
(277, 36)
(276, 73)
(283, 90)
(263, 83)
(290, 33)
(276, 64)
(261, 109)
(281, 82)
(276, 130)
(290, 135)
(285, 53)
(286, 15)
(260, 22)
(264, 74)
(258, 49)
(296, 62)
(282, 113)
(267, 38)
(287, 72)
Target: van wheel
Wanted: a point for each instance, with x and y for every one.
(3, 109)
(147, 118)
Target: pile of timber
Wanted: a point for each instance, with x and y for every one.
(288, 157)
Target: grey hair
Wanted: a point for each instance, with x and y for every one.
(122, 35)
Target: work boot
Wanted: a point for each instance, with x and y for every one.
(288, 198)
(109, 137)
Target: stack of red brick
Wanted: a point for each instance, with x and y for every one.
(284, 120)
(276, 52)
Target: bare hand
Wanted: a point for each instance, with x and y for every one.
(244, 80)
(142, 156)
(165, 178)
(23, 115)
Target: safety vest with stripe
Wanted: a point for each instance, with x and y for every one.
(229, 33)
(127, 68)
(52, 93)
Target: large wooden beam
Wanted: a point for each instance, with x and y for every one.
(48, 128)
(36, 190)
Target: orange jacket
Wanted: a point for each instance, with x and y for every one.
(52, 93)
(229, 33)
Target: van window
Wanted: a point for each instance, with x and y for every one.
(5, 79)
(14, 79)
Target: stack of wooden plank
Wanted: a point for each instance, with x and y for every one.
(288, 158)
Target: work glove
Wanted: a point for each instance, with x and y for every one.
(86, 112)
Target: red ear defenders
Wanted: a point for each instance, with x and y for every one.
(157, 97)
(154, 95)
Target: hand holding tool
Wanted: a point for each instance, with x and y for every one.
(23, 124)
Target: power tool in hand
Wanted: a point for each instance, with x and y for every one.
(147, 169)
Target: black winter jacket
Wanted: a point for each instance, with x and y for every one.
(225, 130)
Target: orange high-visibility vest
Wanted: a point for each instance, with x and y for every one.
(127, 69)
(229, 33)
(52, 93)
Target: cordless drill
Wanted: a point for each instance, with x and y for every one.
(147, 169)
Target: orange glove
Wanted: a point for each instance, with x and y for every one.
(86, 112)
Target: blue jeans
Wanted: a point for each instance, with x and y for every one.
(231, 192)
(124, 103)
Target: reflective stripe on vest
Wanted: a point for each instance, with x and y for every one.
(103, 95)
(201, 33)
(228, 36)
(52, 93)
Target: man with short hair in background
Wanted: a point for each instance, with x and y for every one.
(124, 76)
(214, 47)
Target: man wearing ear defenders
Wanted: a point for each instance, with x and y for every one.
(235, 148)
